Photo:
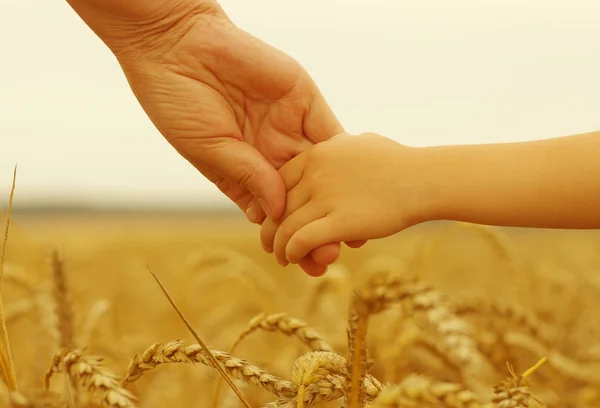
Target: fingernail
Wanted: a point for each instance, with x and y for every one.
(265, 206)
(252, 215)
(268, 249)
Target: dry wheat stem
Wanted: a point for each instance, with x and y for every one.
(214, 362)
(358, 321)
(6, 360)
(101, 384)
(62, 300)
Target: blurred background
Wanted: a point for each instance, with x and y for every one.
(428, 72)
(422, 72)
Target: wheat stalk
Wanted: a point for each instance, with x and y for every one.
(203, 346)
(358, 321)
(6, 360)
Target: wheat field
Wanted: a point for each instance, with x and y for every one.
(441, 315)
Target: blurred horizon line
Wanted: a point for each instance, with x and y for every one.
(121, 209)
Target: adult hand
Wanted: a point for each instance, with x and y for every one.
(236, 108)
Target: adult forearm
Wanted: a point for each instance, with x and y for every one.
(552, 183)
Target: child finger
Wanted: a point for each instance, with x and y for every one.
(326, 254)
(298, 219)
(310, 236)
(311, 266)
(296, 198)
(355, 244)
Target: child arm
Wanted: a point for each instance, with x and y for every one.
(552, 183)
(366, 187)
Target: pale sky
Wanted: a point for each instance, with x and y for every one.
(423, 72)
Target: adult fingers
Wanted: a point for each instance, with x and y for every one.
(320, 123)
(254, 211)
(291, 173)
(236, 193)
(243, 165)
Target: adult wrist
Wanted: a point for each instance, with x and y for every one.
(131, 31)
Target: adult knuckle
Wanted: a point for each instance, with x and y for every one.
(245, 177)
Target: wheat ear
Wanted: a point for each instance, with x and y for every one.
(98, 309)
(279, 322)
(62, 299)
(513, 392)
(90, 373)
(455, 336)
(416, 390)
(521, 319)
(174, 352)
(290, 326)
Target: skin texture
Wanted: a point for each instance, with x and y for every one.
(367, 187)
(341, 188)
(236, 108)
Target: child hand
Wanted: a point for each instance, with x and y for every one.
(348, 188)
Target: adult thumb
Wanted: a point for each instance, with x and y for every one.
(241, 164)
